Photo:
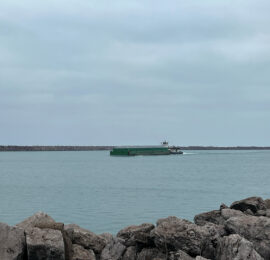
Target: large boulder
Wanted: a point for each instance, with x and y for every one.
(130, 253)
(12, 243)
(267, 203)
(85, 238)
(151, 254)
(175, 234)
(235, 247)
(39, 219)
(136, 234)
(254, 229)
(113, 250)
(217, 217)
(252, 203)
(180, 255)
(80, 253)
(267, 213)
(264, 213)
(45, 244)
(107, 236)
(229, 213)
(209, 244)
(213, 216)
(44, 221)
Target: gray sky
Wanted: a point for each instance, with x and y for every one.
(95, 72)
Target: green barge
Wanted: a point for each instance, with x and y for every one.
(163, 149)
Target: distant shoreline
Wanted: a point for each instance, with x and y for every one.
(15, 148)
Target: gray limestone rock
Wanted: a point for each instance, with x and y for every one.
(44, 221)
(229, 213)
(45, 244)
(252, 203)
(137, 234)
(38, 219)
(151, 254)
(107, 236)
(12, 243)
(213, 216)
(113, 250)
(249, 212)
(254, 229)
(80, 253)
(130, 254)
(223, 206)
(174, 234)
(267, 203)
(235, 247)
(180, 255)
(85, 238)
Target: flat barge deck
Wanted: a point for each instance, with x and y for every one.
(146, 150)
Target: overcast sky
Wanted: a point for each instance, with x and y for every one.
(95, 72)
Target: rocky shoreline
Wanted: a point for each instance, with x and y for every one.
(238, 232)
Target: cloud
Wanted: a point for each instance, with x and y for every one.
(174, 67)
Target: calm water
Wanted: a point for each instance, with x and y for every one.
(104, 193)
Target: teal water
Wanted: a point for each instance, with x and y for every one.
(105, 194)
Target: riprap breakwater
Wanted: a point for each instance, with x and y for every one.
(238, 232)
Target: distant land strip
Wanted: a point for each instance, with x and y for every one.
(15, 148)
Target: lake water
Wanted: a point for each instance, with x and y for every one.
(105, 194)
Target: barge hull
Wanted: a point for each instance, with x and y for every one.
(140, 151)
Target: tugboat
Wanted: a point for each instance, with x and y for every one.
(172, 149)
(175, 150)
(162, 149)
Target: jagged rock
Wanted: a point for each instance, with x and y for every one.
(80, 253)
(252, 203)
(218, 217)
(267, 203)
(213, 216)
(254, 229)
(214, 230)
(136, 234)
(68, 246)
(151, 254)
(38, 219)
(235, 247)
(249, 212)
(261, 212)
(85, 238)
(44, 221)
(45, 244)
(113, 250)
(223, 206)
(180, 255)
(12, 243)
(107, 236)
(229, 213)
(130, 254)
(178, 234)
(209, 245)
